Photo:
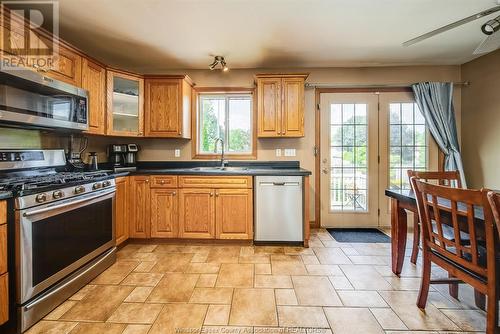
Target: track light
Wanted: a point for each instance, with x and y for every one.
(219, 60)
(491, 26)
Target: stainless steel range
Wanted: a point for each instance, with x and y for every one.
(64, 234)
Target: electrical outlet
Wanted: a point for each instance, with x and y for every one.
(290, 152)
(278, 152)
(177, 153)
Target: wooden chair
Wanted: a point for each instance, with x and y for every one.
(442, 178)
(473, 262)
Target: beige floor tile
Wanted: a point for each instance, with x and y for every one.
(174, 287)
(298, 251)
(136, 329)
(273, 281)
(331, 256)
(309, 259)
(136, 313)
(206, 281)
(341, 283)
(83, 292)
(139, 294)
(301, 316)
(324, 269)
(60, 310)
(212, 296)
(172, 263)
(388, 319)
(365, 277)
(285, 297)
(403, 304)
(203, 268)
(145, 266)
(142, 279)
(263, 269)
(99, 304)
(288, 268)
(217, 315)
(199, 257)
(318, 331)
(361, 298)
(246, 251)
(269, 250)
(468, 320)
(235, 275)
(253, 307)
(98, 328)
(52, 327)
(228, 330)
(349, 251)
(315, 291)
(280, 330)
(405, 283)
(330, 243)
(369, 259)
(255, 258)
(224, 254)
(169, 249)
(352, 320)
(147, 248)
(178, 318)
(116, 273)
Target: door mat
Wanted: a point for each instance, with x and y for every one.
(355, 235)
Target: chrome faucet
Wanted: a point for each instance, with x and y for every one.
(222, 161)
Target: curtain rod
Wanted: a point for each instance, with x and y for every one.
(328, 85)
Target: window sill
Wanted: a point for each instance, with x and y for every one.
(249, 156)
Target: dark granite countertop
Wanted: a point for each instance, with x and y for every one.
(5, 194)
(286, 168)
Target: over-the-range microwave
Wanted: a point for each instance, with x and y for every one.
(31, 99)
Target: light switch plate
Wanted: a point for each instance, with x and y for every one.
(290, 152)
(278, 152)
(177, 153)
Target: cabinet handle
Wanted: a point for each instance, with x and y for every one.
(174, 193)
(162, 181)
(216, 194)
(147, 181)
(211, 194)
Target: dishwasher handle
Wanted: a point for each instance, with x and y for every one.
(279, 183)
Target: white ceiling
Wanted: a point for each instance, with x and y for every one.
(156, 35)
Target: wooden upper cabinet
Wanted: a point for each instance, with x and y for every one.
(269, 107)
(67, 67)
(280, 105)
(94, 81)
(233, 214)
(196, 213)
(139, 207)
(168, 106)
(4, 276)
(125, 104)
(164, 214)
(121, 206)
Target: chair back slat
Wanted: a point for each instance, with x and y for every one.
(448, 178)
(441, 205)
(494, 200)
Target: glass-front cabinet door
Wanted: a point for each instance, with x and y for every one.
(125, 104)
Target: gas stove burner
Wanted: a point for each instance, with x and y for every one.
(21, 183)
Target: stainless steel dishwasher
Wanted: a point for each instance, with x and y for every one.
(279, 208)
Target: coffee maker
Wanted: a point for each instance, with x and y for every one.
(123, 157)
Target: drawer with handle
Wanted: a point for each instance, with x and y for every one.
(163, 181)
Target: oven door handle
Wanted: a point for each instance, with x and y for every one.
(50, 208)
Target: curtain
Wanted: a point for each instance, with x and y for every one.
(435, 100)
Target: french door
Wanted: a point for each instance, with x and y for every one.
(368, 141)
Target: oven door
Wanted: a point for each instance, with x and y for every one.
(54, 240)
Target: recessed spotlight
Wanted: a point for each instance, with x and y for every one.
(219, 60)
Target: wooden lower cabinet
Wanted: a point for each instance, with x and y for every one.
(4, 298)
(139, 205)
(121, 216)
(163, 213)
(234, 214)
(196, 213)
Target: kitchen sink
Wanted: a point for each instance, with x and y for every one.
(220, 169)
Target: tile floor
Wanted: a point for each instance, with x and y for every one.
(329, 288)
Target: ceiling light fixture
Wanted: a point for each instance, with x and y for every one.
(491, 26)
(219, 60)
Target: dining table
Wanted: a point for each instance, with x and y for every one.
(403, 200)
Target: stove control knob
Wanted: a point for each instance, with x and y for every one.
(40, 198)
(57, 194)
(97, 185)
(106, 183)
(79, 189)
